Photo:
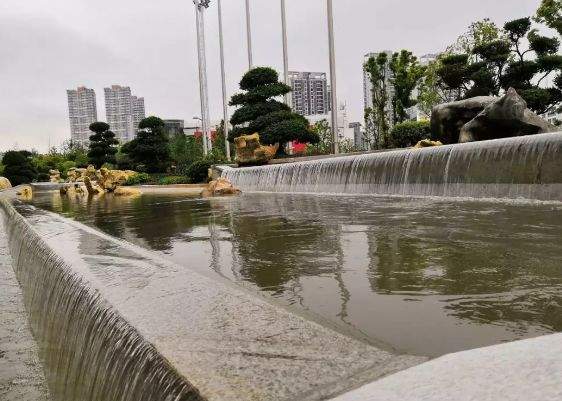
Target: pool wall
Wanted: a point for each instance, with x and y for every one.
(528, 167)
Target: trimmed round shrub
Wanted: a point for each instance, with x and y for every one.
(409, 133)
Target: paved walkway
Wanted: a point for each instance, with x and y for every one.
(21, 376)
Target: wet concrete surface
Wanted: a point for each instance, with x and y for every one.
(21, 374)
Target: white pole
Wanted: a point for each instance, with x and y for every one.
(249, 34)
(333, 76)
(202, 71)
(224, 100)
(285, 50)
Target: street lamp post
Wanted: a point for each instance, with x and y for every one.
(333, 76)
(223, 76)
(200, 5)
(249, 35)
(285, 50)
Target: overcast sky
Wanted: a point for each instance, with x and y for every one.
(48, 46)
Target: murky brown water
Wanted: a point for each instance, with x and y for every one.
(423, 276)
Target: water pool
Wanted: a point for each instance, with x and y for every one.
(420, 275)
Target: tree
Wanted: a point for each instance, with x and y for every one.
(431, 90)
(260, 112)
(18, 167)
(478, 33)
(493, 66)
(550, 14)
(149, 151)
(406, 74)
(325, 142)
(102, 145)
(377, 116)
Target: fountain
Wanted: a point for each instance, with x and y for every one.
(528, 167)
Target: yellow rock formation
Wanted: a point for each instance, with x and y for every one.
(220, 187)
(249, 150)
(5, 183)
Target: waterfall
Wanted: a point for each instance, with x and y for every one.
(90, 353)
(527, 167)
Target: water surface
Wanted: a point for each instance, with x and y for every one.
(424, 276)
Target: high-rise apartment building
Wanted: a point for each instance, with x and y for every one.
(124, 112)
(82, 112)
(310, 95)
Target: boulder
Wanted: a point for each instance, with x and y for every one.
(447, 119)
(126, 191)
(249, 150)
(220, 187)
(427, 143)
(92, 187)
(25, 192)
(5, 183)
(505, 117)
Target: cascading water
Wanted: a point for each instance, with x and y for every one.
(89, 351)
(527, 167)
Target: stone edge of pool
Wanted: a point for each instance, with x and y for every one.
(247, 367)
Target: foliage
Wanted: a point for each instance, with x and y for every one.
(478, 33)
(198, 171)
(102, 145)
(260, 112)
(409, 133)
(2, 167)
(174, 180)
(431, 91)
(149, 151)
(550, 14)
(406, 73)
(18, 167)
(325, 143)
(493, 65)
(137, 179)
(378, 115)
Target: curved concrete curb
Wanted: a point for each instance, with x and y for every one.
(527, 370)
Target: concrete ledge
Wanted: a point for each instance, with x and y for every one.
(205, 339)
(527, 370)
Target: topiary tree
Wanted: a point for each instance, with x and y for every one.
(260, 112)
(409, 133)
(149, 151)
(18, 167)
(103, 145)
(493, 66)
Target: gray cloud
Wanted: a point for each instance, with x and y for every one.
(51, 45)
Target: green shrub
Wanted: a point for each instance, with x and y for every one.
(174, 180)
(409, 133)
(137, 179)
(18, 167)
(198, 171)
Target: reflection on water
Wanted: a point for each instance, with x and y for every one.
(424, 276)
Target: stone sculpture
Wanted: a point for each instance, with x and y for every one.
(54, 176)
(506, 117)
(250, 152)
(220, 187)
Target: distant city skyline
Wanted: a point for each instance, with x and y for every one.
(51, 46)
(123, 111)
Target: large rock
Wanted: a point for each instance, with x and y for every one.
(505, 117)
(5, 183)
(447, 119)
(249, 150)
(220, 187)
